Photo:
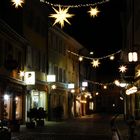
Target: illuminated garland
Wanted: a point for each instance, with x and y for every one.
(62, 14)
(91, 58)
(75, 6)
(101, 84)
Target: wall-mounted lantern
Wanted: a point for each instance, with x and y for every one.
(132, 56)
(131, 90)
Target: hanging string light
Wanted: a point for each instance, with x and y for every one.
(62, 14)
(91, 58)
(105, 85)
(76, 5)
(80, 58)
(96, 61)
(112, 57)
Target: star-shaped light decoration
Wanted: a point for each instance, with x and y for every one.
(17, 3)
(95, 63)
(61, 16)
(138, 73)
(93, 11)
(122, 68)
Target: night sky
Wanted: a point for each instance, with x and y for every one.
(102, 34)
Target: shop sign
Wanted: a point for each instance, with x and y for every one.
(29, 78)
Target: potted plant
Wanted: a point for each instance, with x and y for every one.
(40, 116)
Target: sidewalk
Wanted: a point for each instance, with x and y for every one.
(123, 128)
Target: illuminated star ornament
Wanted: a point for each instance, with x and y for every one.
(17, 3)
(122, 69)
(61, 16)
(95, 63)
(93, 11)
(138, 73)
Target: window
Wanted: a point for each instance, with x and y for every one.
(8, 50)
(43, 62)
(60, 74)
(56, 72)
(64, 76)
(36, 58)
(29, 19)
(60, 46)
(1, 52)
(37, 25)
(29, 57)
(19, 59)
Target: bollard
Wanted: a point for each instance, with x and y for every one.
(115, 134)
(131, 131)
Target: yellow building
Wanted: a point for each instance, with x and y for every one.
(65, 66)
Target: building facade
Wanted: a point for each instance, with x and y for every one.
(131, 43)
(13, 88)
(33, 48)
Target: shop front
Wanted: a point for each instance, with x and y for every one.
(58, 104)
(36, 98)
(12, 95)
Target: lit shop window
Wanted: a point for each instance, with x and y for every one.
(91, 105)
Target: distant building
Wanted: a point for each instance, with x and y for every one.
(12, 87)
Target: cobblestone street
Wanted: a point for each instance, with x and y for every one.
(85, 128)
(89, 127)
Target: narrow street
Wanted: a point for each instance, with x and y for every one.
(89, 127)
